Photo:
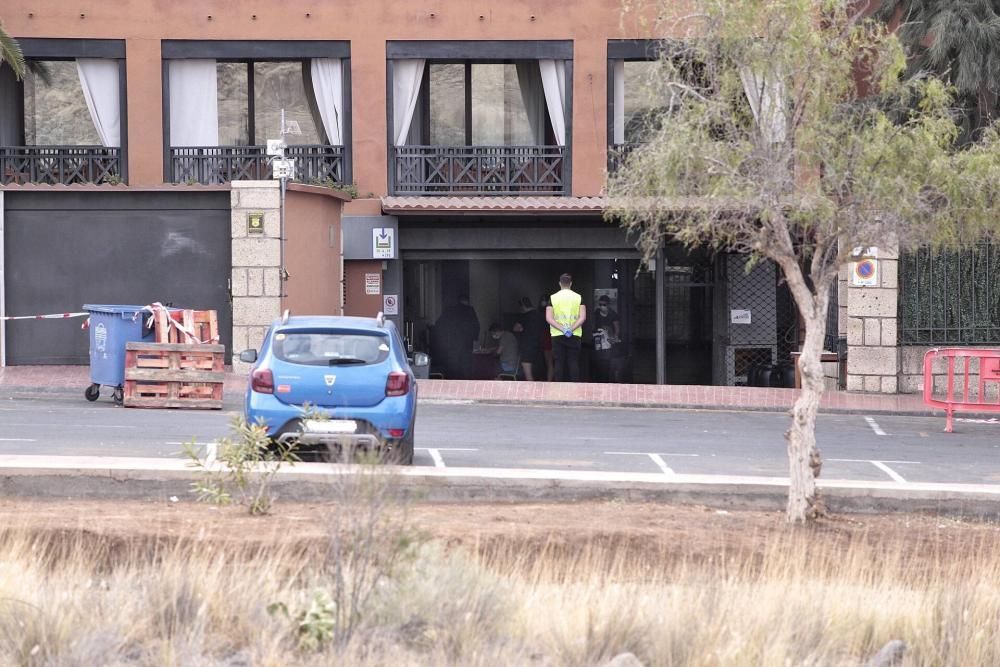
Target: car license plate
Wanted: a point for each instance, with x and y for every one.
(332, 426)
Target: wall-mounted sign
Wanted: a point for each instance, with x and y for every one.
(383, 243)
(390, 304)
(255, 223)
(864, 268)
(739, 316)
(283, 168)
(373, 284)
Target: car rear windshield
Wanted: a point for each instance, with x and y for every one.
(330, 348)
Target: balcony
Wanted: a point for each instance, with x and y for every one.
(479, 170)
(59, 165)
(213, 165)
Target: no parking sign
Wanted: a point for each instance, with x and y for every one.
(864, 271)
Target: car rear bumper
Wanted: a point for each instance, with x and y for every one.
(393, 413)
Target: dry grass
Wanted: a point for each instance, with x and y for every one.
(71, 598)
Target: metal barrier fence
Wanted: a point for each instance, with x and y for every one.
(982, 363)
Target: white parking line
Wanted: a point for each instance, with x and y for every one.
(17, 440)
(875, 427)
(655, 458)
(658, 460)
(881, 465)
(896, 477)
(435, 453)
(436, 456)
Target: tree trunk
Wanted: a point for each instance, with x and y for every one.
(804, 460)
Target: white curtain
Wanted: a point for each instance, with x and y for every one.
(328, 89)
(407, 75)
(529, 80)
(194, 103)
(99, 80)
(618, 75)
(766, 94)
(554, 84)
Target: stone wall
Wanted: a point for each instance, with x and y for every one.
(873, 359)
(256, 278)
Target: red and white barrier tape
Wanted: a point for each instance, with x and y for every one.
(54, 316)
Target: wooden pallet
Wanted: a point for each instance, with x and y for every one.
(204, 325)
(173, 375)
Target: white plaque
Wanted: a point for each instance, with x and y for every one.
(373, 284)
(739, 316)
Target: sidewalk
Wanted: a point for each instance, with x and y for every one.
(74, 379)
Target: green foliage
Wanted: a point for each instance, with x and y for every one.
(314, 624)
(840, 163)
(350, 189)
(10, 53)
(242, 469)
(959, 41)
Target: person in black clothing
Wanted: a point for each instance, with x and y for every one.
(607, 333)
(530, 328)
(455, 332)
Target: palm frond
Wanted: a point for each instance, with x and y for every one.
(10, 53)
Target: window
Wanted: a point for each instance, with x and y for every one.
(277, 86)
(234, 128)
(56, 113)
(447, 93)
(330, 348)
(498, 115)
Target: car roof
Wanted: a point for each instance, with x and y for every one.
(333, 322)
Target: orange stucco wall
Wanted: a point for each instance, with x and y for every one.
(367, 24)
(312, 227)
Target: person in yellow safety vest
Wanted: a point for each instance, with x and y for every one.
(566, 315)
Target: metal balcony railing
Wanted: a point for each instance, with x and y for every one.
(212, 165)
(479, 170)
(59, 165)
(618, 153)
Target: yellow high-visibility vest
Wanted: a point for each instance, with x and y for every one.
(565, 311)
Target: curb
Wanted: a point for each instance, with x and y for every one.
(163, 479)
(231, 396)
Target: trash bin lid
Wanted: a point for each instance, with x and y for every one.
(112, 309)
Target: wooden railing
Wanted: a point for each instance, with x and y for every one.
(211, 165)
(479, 170)
(59, 165)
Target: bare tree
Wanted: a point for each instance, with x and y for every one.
(791, 135)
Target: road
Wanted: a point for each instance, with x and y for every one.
(854, 447)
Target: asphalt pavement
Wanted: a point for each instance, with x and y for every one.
(461, 434)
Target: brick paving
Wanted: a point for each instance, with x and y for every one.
(76, 378)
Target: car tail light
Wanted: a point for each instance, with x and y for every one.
(262, 381)
(397, 432)
(398, 384)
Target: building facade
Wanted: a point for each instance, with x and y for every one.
(441, 150)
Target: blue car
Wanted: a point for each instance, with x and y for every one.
(353, 370)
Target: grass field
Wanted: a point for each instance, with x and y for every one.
(483, 586)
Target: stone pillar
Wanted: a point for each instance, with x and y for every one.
(256, 277)
(872, 352)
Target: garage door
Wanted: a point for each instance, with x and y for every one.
(65, 249)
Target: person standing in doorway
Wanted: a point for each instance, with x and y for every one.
(545, 341)
(566, 316)
(530, 329)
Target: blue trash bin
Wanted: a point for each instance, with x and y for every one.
(111, 327)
